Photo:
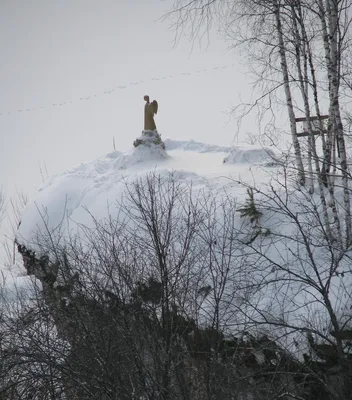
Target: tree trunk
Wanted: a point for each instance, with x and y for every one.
(301, 51)
(291, 114)
(330, 38)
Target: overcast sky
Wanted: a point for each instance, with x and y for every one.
(62, 51)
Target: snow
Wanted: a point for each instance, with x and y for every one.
(15, 284)
(93, 186)
(198, 147)
(251, 155)
(69, 200)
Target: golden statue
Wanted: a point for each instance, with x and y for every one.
(150, 109)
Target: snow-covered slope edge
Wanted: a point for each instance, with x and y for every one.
(252, 155)
(65, 198)
(263, 254)
(191, 145)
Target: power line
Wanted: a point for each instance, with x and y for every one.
(112, 90)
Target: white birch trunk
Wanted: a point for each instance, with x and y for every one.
(328, 152)
(291, 114)
(301, 52)
(330, 37)
(314, 86)
(328, 146)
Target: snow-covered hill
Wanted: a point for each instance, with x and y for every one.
(64, 199)
(273, 262)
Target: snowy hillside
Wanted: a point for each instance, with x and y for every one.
(270, 262)
(65, 198)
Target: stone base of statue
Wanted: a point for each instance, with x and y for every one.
(149, 138)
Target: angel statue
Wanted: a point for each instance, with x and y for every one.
(150, 109)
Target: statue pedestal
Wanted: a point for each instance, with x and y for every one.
(148, 138)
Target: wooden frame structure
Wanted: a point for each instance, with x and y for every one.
(315, 131)
(328, 158)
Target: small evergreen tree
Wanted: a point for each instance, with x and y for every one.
(250, 209)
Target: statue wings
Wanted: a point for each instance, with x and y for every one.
(155, 106)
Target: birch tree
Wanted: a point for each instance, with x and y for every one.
(258, 26)
(299, 47)
(335, 21)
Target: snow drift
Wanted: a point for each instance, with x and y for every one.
(251, 155)
(65, 198)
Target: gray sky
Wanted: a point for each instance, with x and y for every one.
(60, 51)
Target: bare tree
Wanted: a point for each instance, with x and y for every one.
(13, 221)
(299, 48)
(180, 294)
(305, 274)
(2, 205)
